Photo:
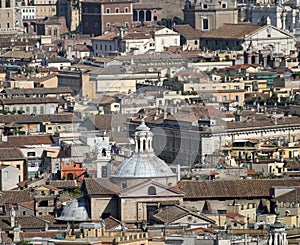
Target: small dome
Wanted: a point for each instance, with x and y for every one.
(76, 210)
(143, 166)
(143, 127)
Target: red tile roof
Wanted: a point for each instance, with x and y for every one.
(234, 215)
(18, 141)
(232, 188)
(11, 154)
(232, 31)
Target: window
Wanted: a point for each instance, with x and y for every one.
(224, 6)
(126, 24)
(7, 14)
(31, 154)
(205, 24)
(117, 10)
(55, 33)
(162, 41)
(7, 3)
(151, 190)
(34, 110)
(49, 32)
(196, 42)
(108, 10)
(42, 110)
(126, 10)
(204, 6)
(107, 25)
(27, 109)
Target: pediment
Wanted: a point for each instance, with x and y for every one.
(150, 188)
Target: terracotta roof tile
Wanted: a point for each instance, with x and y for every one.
(38, 91)
(15, 197)
(11, 154)
(18, 141)
(111, 223)
(292, 196)
(173, 213)
(187, 31)
(25, 100)
(100, 186)
(54, 118)
(232, 188)
(234, 215)
(61, 184)
(232, 31)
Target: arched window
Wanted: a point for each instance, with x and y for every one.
(34, 110)
(103, 152)
(141, 16)
(42, 110)
(151, 190)
(70, 176)
(135, 15)
(139, 144)
(144, 145)
(148, 15)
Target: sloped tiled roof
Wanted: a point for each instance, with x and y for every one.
(187, 31)
(234, 215)
(39, 91)
(15, 197)
(24, 118)
(106, 37)
(11, 154)
(111, 223)
(263, 123)
(232, 31)
(291, 196)
(100, 187)
(26, 222)
(232, 188)
(173, 213)
(63, 183)
(18, 141)
(18, 54)
(25, 100)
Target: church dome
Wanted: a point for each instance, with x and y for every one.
(143, 164)
(75, 210)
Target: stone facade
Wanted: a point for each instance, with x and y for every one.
(208, 16)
